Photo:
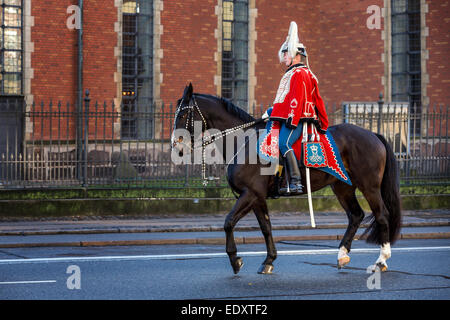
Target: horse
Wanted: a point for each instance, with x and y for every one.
(367, 157)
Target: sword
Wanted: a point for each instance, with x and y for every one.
(308, 188)
(308, 179)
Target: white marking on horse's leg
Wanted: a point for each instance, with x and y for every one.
(342, 252)
(343, 257)
(385, 253)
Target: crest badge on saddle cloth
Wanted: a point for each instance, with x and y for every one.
(314, 155)
(317, 151)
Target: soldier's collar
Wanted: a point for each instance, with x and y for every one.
(295, 66)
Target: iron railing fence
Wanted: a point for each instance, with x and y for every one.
(419, 138)
(41, 148)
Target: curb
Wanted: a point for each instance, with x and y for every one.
(210, 241)
(198, 229)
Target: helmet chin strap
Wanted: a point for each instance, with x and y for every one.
(307, 62)
(290, 64)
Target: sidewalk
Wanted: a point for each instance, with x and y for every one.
(200, 229)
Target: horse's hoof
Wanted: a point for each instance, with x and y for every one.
(265, 269)
(237, 265)
(382, 266)
(342, 262)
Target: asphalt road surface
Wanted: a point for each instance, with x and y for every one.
(418, 269)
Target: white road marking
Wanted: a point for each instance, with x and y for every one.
(28, 282)
(211, 255)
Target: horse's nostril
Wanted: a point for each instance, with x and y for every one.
(180, 153)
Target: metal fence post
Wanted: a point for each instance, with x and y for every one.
(86, 138)
(380, 110)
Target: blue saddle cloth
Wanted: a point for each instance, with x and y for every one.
(323, 156)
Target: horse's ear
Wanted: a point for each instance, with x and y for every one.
(188, 91)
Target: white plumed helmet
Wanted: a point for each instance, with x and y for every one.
(292, 45)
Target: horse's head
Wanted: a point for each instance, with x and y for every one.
(197, 113)
(188, 117)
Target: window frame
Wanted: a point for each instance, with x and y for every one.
(136, 120)
(3, 50)
(232, 65)
(411, 72)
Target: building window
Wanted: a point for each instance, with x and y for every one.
(235, 51)
(11, 47)
(137, 69)
(406, 55)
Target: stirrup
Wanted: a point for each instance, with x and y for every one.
(294, 189)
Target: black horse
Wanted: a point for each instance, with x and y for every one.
(367, 157)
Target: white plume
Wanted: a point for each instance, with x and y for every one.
(292, 42)
(292, 39)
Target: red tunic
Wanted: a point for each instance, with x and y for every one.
(298, 99)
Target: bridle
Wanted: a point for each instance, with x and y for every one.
(190, 117)
(209, 139)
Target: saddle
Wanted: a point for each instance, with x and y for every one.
(314, 150)
(312, 156)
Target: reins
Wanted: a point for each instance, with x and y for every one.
(209, 139)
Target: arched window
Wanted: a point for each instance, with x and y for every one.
(406, 70)
(406, 55)
(235, 51)
(137, 69)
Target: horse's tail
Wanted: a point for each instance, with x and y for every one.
(390, 187)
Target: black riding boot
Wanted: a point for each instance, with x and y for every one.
(295, 184)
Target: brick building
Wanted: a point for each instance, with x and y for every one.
(135, 55)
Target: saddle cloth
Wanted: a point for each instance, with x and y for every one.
(320, 152)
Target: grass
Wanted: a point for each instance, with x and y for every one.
(168, 190)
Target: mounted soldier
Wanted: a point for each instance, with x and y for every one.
(297, 101)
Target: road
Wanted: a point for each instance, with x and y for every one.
(418, 269)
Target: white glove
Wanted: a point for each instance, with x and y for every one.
(265, 116)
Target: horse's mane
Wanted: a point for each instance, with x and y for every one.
(230, 107)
